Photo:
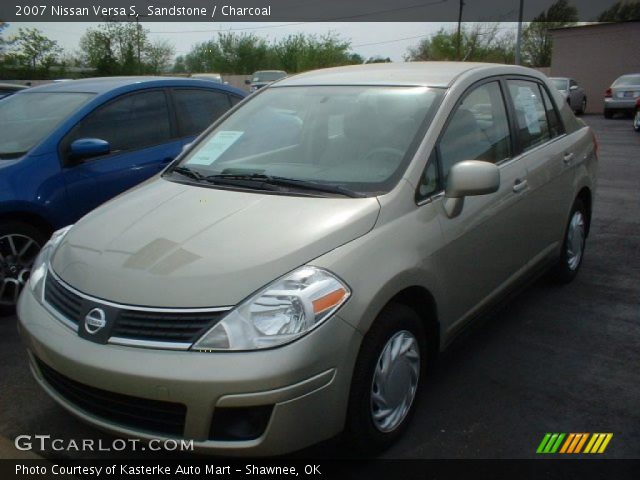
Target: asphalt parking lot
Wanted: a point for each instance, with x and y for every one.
(554, 359)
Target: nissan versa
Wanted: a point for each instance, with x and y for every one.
(291, 275)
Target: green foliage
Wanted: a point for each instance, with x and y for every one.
(621, 11)
(34, 51)
(243, 54)
(124, 48)
(477, 43)
(536, 40)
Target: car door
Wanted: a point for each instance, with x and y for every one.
(483, 250)
(550, 157)
(140, 131)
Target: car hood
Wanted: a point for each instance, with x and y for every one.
(166, 244)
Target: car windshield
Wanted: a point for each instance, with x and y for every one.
(627, 80)
(27, 118)
(560, 83)
(358, 138)
(267, 76)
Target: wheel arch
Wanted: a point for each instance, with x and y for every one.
(586, 197)
(421, 300)
(29, 218)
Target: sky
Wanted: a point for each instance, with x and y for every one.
(390, 39)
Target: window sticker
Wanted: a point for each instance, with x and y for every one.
(526, 98)
(216, 146)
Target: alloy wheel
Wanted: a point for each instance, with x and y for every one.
(17, 253)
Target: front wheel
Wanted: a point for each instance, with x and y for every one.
(19, 246)
(386, 380)
(636, 121)
(583, 107)
(573, 245)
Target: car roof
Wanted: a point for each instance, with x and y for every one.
(100, 85)
(432, 74)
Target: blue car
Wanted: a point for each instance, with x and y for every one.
(67, 147)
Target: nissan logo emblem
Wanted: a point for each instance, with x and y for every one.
(95, 321)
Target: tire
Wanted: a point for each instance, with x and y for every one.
(396, 324)
(608, 113)
(636, 121)
(19, 245)
(573, 244)
(583, 107)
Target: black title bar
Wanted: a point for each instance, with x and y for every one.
(287, 10)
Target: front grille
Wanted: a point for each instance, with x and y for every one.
(153, 416)
(63, 300)
(162, 326)
(129, 323)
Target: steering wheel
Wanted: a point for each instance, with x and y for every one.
(390, 154)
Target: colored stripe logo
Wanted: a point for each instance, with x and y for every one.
(574, 443)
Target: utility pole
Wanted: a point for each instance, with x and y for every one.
(519, 35)
(138, 43)
(459, 39)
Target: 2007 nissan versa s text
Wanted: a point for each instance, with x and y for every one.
(291, 275)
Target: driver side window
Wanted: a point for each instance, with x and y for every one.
(478, 129)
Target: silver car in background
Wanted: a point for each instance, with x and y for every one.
(572, 92)
(622, 95)
(295, 271)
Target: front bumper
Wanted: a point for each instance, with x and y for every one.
(306, 382)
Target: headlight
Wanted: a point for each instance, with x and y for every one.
(279, 313)
(39, 268)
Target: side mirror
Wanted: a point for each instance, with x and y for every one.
(573, 87)
(84, 148)
(247, 81)
(469, 178)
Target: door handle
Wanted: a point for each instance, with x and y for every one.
(519, 185)
(568, 158)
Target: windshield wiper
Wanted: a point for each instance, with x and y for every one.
(188, 172)
(229, 180)
(286, 182)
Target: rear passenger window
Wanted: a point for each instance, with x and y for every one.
(197, 109)
(555, 127)
(131, 122)
(531, 116)
(478, 130)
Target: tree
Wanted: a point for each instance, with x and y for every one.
(124, 48)
(621, 11)
(158, 56)
(3, 42)
(245, 53)
(34, 50)
(536, 40)
(480, 42)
